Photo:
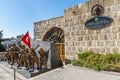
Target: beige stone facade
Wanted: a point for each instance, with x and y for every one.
(77, 36)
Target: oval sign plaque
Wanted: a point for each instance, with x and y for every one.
(98, 22)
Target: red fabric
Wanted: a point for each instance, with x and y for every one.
(26, 39)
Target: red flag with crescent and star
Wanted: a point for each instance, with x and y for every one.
(26, 40)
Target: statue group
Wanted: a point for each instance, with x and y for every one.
(26, 57)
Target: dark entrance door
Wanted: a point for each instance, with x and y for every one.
(56, 37)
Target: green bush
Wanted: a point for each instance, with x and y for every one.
(107, 62)
(77, 62)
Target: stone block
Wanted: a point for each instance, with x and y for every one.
(116, 21)
(111, 36)
(77, 27)
(109, 43)
(101, 50)
(118, 43)
(68, 38)
(100, 43)
(79, 38)
(108, 3)
(77, 43)
(76, 33)
(83, 8)
(118, 36)
(92, 49)
(67, 53)
(73, 28)
(107, 9)
(90, 32)
(82, 43)
(72, 53)
(115, 29)
(116, 1)
(73, 38)
(86, 38)
(115, 8)
(76, 21)
(101, 2)
(85, 48)
(83, 32)
(107, 50)
(81, 27)
(102, 37)
(94, 37)
(83, 16)
(74, 49)
(72, 34)
(94, 43)
(97, 31)
(89, 43)
(112, 14)
(118, 14)
(66, 24)
(68, 48)
(79, 49)
(70, 23)
(66, 43)
(114, 50)
(114, 36)
(67, 29)
(106, 30)
(88, 15)
(71, 43)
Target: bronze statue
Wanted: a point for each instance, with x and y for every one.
(12, 54)
(43, 58)
(22, 56)
(19, 55)
(28, 60)
(34, 57)
(7, 56)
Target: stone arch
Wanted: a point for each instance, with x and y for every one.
(54, 35)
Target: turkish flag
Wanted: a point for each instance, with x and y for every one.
(26, 39)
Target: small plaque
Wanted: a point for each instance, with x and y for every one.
(98, 22)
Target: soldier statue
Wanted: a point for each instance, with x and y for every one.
(22, 56)
(43, 58)
(14, 53)
(34, 58)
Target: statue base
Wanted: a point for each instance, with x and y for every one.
(23, 71)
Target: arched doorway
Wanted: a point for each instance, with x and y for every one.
(56, 37)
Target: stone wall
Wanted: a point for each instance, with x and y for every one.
(77, 36)
(41, 27)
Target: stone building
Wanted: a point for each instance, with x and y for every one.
(70, 29)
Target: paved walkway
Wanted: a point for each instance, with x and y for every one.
(8, 74)
(68, 72)
(4, 75)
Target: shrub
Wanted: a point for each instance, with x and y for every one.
(107, 62)
(77, 62)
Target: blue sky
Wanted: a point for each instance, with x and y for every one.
(17, 16)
